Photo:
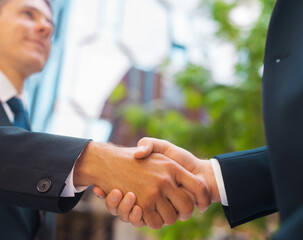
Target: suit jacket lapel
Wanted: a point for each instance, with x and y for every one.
(4, 121)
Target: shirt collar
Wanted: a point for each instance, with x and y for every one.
(7, 89)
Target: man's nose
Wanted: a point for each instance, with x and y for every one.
(44, 28)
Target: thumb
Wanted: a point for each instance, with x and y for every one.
(179, 155)
(145, 148)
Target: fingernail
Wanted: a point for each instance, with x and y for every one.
(127, 200)
(185, 218)
(113, 198)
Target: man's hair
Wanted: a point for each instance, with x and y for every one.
(3, 2)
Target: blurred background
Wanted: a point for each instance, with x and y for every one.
(186, 71)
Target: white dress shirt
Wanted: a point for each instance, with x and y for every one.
(7, 91)
(219, 179)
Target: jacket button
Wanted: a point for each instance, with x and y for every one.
(44, 185)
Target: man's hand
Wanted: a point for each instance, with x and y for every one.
(128, 211)
(125, 207)
(198, 167)
(156, 182)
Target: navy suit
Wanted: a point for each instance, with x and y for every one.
(26, 159)
(261, 181)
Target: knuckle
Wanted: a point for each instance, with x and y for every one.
(165, 182)
(170, 164)
(172, 167)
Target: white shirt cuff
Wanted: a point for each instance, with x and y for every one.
(219, 179)
(69, 189)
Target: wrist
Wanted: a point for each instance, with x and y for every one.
(85, 173)
(209, 175)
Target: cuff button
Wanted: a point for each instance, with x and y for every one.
(44, 185)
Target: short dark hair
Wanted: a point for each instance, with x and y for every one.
(3, 2)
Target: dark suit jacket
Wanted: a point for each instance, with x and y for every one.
(27, 158)
(264, 180)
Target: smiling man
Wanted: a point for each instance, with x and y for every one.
(42, 172)
(25, 38)
(25, 41)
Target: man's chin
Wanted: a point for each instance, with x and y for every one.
(34, 60)
(35, 65)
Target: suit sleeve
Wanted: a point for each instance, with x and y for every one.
(248, 184)
(27, 158)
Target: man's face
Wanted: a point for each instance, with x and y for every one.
(25, 34)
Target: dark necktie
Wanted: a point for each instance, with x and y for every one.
(21, 116)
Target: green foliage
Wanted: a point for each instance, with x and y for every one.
(136, 116)
(226, 118)
(118, 94)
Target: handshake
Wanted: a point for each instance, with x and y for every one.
(153, 184)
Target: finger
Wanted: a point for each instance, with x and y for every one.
(143, 151)
(179, 155)
(126, 206)
(113, 200)
(195, 185)
(167, 211)
(99, 192)
(152, 145)
(192, 196)
(181, 202)
(136, 217)
(152, 219)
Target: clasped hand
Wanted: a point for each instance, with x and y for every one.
(167, 186)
